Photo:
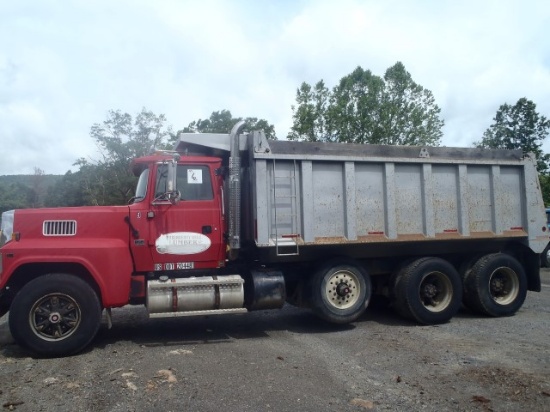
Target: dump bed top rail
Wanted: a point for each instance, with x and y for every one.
(390, 152)
(213, 144)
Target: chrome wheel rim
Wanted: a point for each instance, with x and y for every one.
(55, 317)
(343, 289)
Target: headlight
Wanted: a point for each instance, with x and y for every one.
(6, 229)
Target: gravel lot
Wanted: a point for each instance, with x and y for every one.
(289, 361)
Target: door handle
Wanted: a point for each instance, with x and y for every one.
(206, 230)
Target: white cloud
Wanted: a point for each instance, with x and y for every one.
(64, 64)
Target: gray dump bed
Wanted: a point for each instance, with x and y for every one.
(303, 194)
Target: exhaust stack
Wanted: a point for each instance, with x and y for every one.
(235, 191)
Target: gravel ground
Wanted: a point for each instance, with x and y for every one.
(289, 361)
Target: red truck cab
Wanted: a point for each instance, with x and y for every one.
(60, 267)
(182, 232)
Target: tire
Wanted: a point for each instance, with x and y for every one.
(467, 265)
(496, 286)
(428, 290)
(340, 292)
(545, 257)
(55, 315)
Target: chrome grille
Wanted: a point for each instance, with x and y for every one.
(59, 228)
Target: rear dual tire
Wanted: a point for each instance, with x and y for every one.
(428, 291)
(496, 285)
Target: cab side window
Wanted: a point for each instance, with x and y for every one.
(193, 182)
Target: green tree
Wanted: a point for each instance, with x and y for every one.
(355, 111)
(223, 121)
(519, 127)
(410, 115)
(545, 188)
(120, 138)
(37, 184)
(365, 108)
(68, 191)
(310, 113)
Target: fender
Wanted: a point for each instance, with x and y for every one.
(108, 261)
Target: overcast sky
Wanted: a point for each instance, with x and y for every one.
(65, 63)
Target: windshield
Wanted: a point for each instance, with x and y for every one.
(141, 189)
(7, 226)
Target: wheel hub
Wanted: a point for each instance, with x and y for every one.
(497, 285)
(343, 289)
(430, 290)
(55, 317)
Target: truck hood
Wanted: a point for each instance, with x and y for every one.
(68, 223)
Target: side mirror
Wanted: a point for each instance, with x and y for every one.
(172, 173)
(173, 194)
(166, 185)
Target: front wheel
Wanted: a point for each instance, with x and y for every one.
(340, 292)
(55, 315)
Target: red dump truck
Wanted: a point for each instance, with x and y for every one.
(227, 224)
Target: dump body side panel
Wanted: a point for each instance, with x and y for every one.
(402, 195)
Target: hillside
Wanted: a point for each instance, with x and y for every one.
(45, 181)
(24, 191)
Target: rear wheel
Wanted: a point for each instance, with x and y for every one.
(428, 290)
(495, 286)
(340, 292)
(55, 315)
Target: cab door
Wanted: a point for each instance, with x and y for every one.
(187, 234)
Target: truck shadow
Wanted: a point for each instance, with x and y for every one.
(132, 324)
(208, 329)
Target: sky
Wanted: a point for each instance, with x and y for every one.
(65, 63)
